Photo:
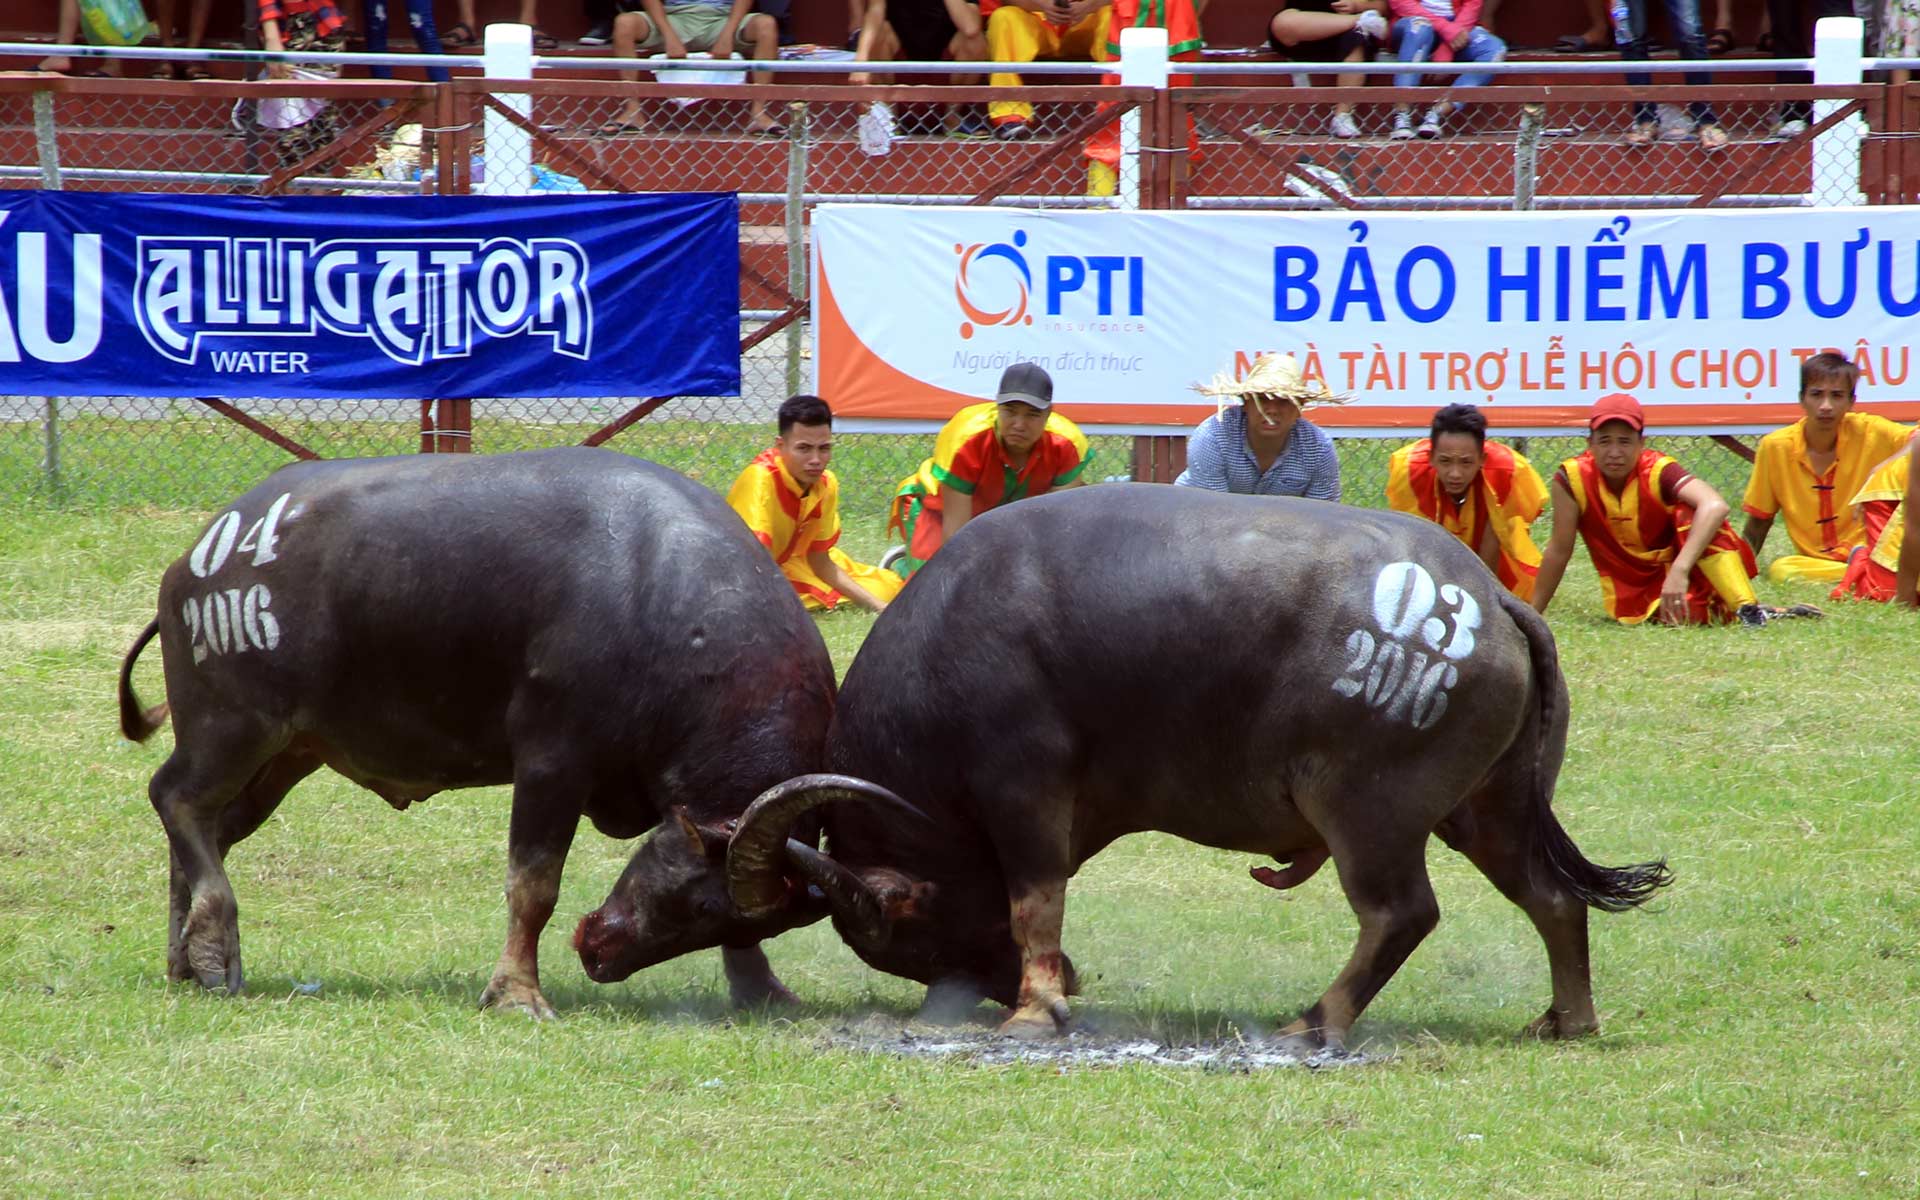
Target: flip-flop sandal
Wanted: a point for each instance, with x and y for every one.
(164, 70)
(459, 35)
(545, 41)
(1712, 137)
(1576, 43)
(620, 129)
(196, 72)
(771, 131)
(1643, 133)
(1719, 42)
(1764, 44)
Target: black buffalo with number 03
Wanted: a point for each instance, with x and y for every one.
(1282, 677)
(600, 632)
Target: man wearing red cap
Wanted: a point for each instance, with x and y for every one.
(987, 455)
(1657, 534)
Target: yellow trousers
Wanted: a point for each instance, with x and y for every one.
(1804, 568)
(1728, 575)
(1016, 35)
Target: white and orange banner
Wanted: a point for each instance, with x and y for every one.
(1704, 316)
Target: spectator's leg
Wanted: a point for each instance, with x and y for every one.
(1482, 47)
(1789, 41)
(426, 37)
(1646, 117)
(759, 37)
(1683, 19)
(632, 31)
(1357, 55)
(1291, 27)
(1013, 35)
(1413, 41)
(375, 33)
(67, 33)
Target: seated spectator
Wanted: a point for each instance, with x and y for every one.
(1439, 31)
(719, 26)
(1790, 23)
(988, 455)
(920, 31)
(1262, 446)
(463, 33)
(165, 20)
(419, 20)
(1481, 492)
(1331, 31)
(1887, 567)
(1657, 534)
(791, 502)
(1807, 472)
(1683, 20)
(1034, 30)
(297, 26)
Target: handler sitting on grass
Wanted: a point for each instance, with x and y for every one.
(988, 455)
(1808, 473)
(1657, 534)
(1481, 492)
(1888, 565)
(791, 502)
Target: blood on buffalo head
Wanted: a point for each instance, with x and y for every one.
(950, 930)
(672, 900)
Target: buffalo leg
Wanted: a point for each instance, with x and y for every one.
(546, 812)
(1387, 886)
(256, 802)
(192, 792)
(1038, 912)
(750, 978)
(1501, 850)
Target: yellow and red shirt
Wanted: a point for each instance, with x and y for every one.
(1634, 535)
(793, 522)
(1888, 485)
(967, 458)
(1816, 508)
(1507, 493)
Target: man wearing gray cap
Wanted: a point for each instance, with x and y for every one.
(988, 455)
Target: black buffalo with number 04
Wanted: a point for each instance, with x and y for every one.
(600, 632)
(1282, 677)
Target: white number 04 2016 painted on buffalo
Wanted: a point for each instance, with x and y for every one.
(233, 620)
(1408, 683)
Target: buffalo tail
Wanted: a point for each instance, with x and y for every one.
(137, 724)
(1610, 889)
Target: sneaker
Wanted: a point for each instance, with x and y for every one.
(1752, 616)
(973, 126)
(1372, 24)
(1790, 129)
(1802, 610)
(1013, 129)
(876, 129)
(1402, 126)
(1343, 125)
(1430, 124)
(599, 35)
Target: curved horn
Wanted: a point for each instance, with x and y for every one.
(855, 908)
(757, 855)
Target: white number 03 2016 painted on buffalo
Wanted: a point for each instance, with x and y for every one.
(233, 620)
(1405, 681)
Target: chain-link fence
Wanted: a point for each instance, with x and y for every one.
(1270, 147)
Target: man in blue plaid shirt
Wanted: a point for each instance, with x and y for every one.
(1263, 447)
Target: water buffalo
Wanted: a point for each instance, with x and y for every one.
(600, 632)
(1277, 676)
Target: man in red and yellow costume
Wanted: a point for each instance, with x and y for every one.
(791, 502)
(988, 455)
(1887, 567)
(1181, 20)
(1481, 492)
(1808, 473)
(1657, 534)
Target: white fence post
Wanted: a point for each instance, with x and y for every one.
(1837, 48)
(509, 149)
(1143, 63)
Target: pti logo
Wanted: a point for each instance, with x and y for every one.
(993, 284)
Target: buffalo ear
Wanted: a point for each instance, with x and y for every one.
(705, 841)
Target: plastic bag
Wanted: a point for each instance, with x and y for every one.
(114, 22)
(283, 112)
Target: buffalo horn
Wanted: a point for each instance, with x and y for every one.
(757, 855)
(855, 907)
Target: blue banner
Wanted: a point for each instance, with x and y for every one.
(428, 297)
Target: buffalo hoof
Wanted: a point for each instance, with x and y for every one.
(1554, 1025)
(759, 993)
(1032, 1022)
(215, 968)
(512, 995)
(1310, 1043)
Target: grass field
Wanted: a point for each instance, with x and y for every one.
(1760, 1016)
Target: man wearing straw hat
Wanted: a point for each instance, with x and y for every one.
(1262, 446)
